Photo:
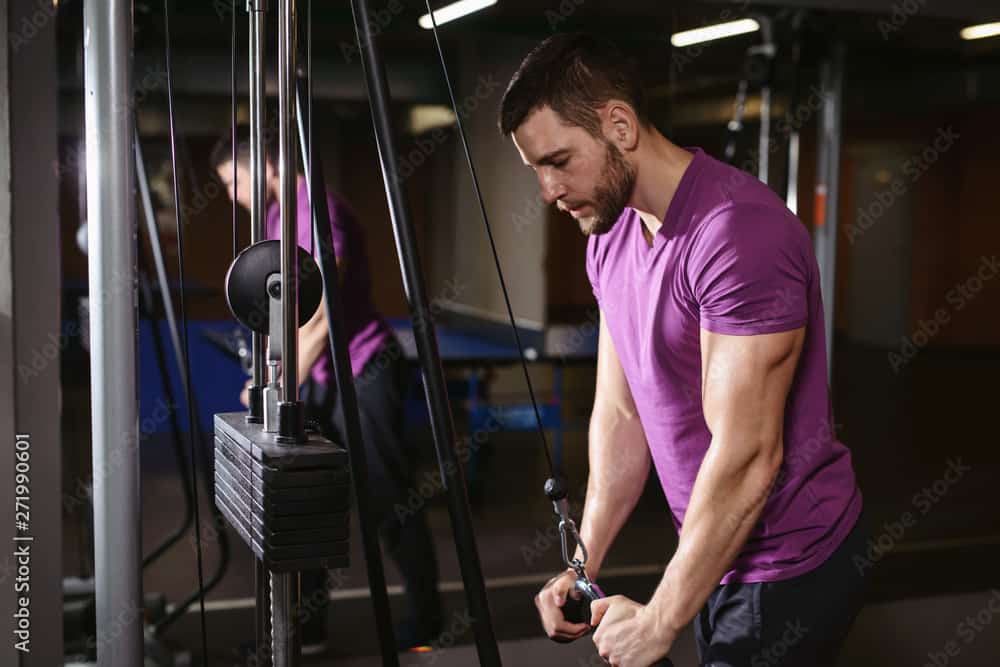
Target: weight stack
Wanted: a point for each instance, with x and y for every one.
(289, 503)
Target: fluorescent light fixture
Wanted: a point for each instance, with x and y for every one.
(712, 32)
(981, 31)
(455, 10)
(426, 117)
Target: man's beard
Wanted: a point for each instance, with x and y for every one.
(611, 196)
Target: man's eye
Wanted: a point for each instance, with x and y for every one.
(559, 164)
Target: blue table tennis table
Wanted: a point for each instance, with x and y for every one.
(475, 342)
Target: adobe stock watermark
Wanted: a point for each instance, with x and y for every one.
(529, 214)
(793, 121)
(460, 623)
(425, 146)
(923, 502)
(152, 80)
(29, 26)
(582, 333)
(83, 492)
(775, 652)
(419, 494)
(452, 291)
(899, 16)
(224, 8)
(967, 630)
(912, 169)
(562, 12)
(110, 632)
(805, 451)
(958, 297)
(545, 540)
(378, 21)
(44, 354)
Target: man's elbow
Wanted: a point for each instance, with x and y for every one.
(607, 416)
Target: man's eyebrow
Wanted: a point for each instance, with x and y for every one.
(552, 156)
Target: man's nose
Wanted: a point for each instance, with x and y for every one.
(552, 189)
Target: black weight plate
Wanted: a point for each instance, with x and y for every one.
(246, 284)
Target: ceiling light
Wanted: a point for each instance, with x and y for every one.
(455, 10)
(712, 32)
(981, 31)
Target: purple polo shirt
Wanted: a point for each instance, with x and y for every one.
(364, 326)
(731, 259)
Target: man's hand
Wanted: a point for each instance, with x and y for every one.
(549, 602)
(628, 634)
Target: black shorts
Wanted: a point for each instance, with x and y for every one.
(800, 622)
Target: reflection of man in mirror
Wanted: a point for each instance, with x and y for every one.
(381, 375)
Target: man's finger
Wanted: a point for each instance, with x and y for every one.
(597, 610)
(565, 632)
(556, 626)
(553, 619)
(557, 594)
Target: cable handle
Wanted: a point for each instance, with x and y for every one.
(576, 609)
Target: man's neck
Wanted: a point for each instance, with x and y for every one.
(660, 166)
(274, 187)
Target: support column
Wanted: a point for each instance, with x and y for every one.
(111, 242)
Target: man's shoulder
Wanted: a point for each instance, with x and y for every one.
(747, 220)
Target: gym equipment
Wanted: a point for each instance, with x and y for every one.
(758, 70)
(267, 477)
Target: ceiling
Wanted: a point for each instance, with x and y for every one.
(879, 43)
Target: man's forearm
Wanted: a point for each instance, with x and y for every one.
(619, 467)
(726, 502)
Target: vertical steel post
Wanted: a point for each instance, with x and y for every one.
(112, 274)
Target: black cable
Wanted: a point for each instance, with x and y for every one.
(184, 327)
(232, 97)
(493, 246)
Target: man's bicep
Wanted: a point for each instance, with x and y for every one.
(612, 390)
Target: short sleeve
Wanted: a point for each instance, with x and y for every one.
(593, 272)
(749, 270)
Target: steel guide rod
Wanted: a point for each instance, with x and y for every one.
(111, 241)
(257, 10)
(287, 201)
(285, 647)
(257, 13)
(442, 424)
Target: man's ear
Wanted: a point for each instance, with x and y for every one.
(621, 125)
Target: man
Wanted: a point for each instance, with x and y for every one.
(711, 366)
(380, 376)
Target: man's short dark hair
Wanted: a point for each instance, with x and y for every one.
(574, 74)
(222, 151)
